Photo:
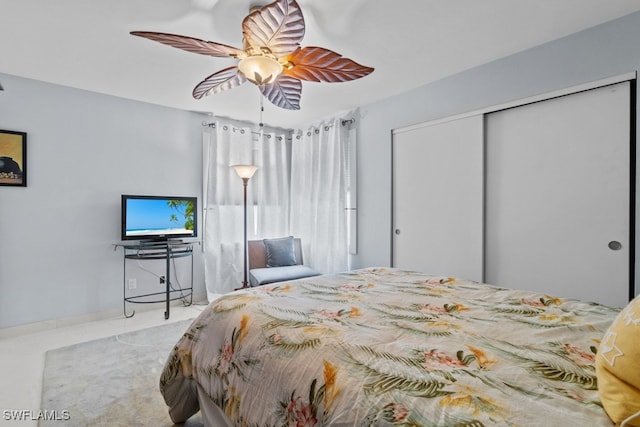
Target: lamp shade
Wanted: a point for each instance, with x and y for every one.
(259, 69)
(245, 171)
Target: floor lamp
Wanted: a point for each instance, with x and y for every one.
(245, 172)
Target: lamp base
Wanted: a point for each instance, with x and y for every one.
(244, 286)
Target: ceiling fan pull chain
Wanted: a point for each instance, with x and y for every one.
(261, 109)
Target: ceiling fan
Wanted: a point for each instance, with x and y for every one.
(271, 56)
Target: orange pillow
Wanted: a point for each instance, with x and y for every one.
(618, 366)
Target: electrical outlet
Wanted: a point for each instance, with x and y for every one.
(162, 280)
(133, 284)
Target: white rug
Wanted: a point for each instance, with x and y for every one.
(111, 381)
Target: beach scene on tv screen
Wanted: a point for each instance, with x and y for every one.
(159, 217)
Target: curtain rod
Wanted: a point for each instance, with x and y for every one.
(345, 122)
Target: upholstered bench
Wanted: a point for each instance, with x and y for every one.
(276, 260)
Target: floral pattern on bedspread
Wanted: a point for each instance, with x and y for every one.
(388, 347)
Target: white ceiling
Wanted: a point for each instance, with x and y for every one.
(86, 44)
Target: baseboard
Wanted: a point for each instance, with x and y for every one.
(45, 325)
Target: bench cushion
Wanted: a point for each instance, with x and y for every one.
(262, 276)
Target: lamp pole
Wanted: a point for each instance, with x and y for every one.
(245, 172)
(245, 182)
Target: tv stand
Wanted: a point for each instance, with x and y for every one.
(166, 250)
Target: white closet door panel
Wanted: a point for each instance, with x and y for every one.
(437, 188)
(557, 192)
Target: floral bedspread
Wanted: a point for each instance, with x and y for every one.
(387, 347)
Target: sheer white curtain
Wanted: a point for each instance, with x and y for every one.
(319, 184)
(224, 145)
(271, 185)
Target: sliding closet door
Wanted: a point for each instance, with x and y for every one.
(558, 196)
(437, 198)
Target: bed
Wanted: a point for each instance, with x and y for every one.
(388, 347)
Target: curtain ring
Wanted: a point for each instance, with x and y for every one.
(225, 127)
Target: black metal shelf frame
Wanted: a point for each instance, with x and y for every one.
(168, 251)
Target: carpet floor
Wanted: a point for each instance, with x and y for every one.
(111, 381)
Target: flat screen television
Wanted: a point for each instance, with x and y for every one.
(158, 218)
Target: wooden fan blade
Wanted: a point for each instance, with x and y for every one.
(226, 79)
(191, 44)
(318, 64)
(278, 26)
(285, 92)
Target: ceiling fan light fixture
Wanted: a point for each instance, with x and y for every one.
(271, 56)
(260, 69)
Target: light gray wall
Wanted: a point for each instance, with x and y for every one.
(84, 150)
(607, 50)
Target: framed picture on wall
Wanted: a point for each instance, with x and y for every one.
(13, 158)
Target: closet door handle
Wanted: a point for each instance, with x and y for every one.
(397, 231)
(614, 245)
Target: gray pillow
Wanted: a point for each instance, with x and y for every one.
(280, 252)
